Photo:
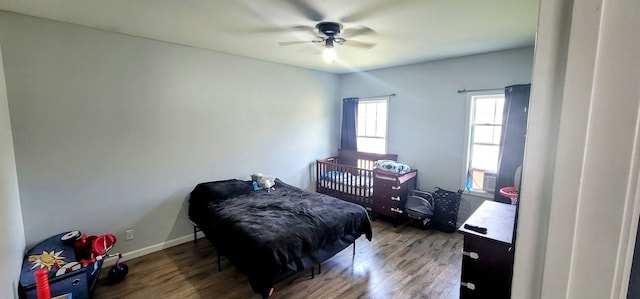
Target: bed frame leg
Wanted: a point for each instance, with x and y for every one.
(268, 294)
(319, 268)
(354, 249)
(195, 234)
(313, 270)
(218, 254)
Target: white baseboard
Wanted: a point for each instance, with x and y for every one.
(110, 261)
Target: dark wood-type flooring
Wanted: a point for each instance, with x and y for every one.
(402, 262)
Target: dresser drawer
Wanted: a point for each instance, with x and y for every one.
(389, 185)
(388, 209)
(388, 196)
(484, 286)
(486, 268)
(389, 191)
(485, 251)
(388, 204)
(482, 290)
(471, 264)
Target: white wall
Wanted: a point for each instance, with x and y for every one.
(540, 149)
(12, 242)
(580, 209)
(112, 132)
(427, 117)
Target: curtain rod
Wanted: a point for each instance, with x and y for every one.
(474, 90)
(380, 96)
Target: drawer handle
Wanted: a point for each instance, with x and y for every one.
(471, 254)
(395, 187)
(396, 210)
(395, 198)
(76, 282)
(468, 285)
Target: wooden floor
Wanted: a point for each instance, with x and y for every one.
(403, 262)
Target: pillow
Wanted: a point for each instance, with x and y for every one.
(219, 190)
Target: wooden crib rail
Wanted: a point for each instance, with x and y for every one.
(361, 159)
(357, 189)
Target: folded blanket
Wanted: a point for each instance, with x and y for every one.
(392, 166)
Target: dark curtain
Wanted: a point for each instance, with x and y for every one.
(514, 127)
(634, 279)
(348, 137)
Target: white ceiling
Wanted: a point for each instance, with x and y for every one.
(406, 31)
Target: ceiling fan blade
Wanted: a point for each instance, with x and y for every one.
(370, 10)
(310, 12)
(277, 29)
(297, 42)
(357, 44)
(361, 30)
(309, 29)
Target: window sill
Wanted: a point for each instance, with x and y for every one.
(480, 193)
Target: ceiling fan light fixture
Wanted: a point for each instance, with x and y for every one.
(329, 55)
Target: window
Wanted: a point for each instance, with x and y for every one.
(485, 129)
(372, 125)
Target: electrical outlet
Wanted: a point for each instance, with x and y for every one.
(129, 234)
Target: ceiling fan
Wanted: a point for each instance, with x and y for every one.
(330, 34)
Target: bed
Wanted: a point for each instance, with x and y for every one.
(268, 234)
(349, 176)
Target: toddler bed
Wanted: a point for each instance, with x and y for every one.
(349, 176)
